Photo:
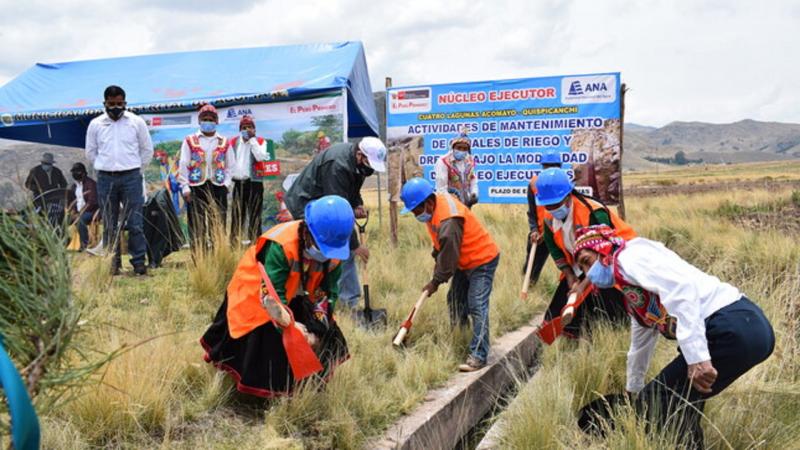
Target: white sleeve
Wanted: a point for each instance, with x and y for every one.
(643, 343)
(473, 184)
(441, 177)
(145, 142)
(183, 167)
(91, 142)
(230, 160)
(259, 151)
(657, 269)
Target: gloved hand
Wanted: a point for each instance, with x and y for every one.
(431, 287)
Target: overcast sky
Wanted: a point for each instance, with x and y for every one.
(706, 60)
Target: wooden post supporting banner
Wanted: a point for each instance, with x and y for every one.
(392, 199)
(621, 206)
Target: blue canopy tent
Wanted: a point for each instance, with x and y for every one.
(53, 103)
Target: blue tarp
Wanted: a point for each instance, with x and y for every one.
(53, 103)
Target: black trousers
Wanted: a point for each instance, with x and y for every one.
(206, 212)
(248, 197)
(739, 337)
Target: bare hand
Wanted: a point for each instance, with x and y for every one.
(187, 197)
(360, 212)
(430, 288)
(362, 252)
(579, 287)
(572, 280)
(535, 237)
(702, 375)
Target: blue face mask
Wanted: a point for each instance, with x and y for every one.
(459, 155)
(245, 134)
(601, 275)
(561, 212)
(424, 217)
(208, 126)
(315, 254)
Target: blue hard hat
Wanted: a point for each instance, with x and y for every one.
(330, 220)
(551, 156)
(414, 192)
(552, 186)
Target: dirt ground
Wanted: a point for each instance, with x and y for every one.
(656, 190)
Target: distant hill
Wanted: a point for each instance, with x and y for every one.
(743, 141)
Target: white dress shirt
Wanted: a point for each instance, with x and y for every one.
(687, 293)
(443, 176)
(242, 152)
(208, 144)
(118, 145)
(79, 201)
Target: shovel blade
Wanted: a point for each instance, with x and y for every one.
(372, 319)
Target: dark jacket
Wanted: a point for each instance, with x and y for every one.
(46, 187)
(332, 172)
(89, 196)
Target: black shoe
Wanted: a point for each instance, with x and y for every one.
(115, 265)
(140, 269)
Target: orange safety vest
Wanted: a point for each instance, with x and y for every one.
(245, 312)
(581, 218)
(477, 246)
(541, 211)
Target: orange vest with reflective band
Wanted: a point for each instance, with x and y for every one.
(477, 246)
(245, 312)
(541, 212)
(580, 218)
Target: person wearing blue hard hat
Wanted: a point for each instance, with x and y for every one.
(301, 260)
(550, 158)
(567, 210)
(341, 170)
(463, 250)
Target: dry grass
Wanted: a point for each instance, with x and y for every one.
(760, 410)
(162, 395)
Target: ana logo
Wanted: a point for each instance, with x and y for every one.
(233, 113)
(575, 88)
(156, 122)
(589, 89)
(7, 119)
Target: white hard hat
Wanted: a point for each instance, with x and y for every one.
(375, 151)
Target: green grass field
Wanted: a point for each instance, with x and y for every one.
(160, 393)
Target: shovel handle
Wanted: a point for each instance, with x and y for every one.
(569, 311)
(401, 334)
(523, 294)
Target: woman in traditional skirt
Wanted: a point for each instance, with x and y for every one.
(268, 344)
(720, 333)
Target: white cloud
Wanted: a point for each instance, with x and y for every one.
(711, 60)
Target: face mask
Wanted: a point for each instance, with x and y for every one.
(47, 166)
(561, 212)
(115, 112)
(459, 155)
(315, 254)
(208, 126)
(245, 134)
(601, 275)
(424, 217)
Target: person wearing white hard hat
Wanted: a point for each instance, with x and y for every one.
(340, 170)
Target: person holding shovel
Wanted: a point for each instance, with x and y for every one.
(276, 325)
(461, 245)
(720, 333)
(568, 211)
(551, 158)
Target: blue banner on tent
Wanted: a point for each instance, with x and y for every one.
(509, 124)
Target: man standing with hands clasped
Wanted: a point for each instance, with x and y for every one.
(248, 189)
(119, 145)
(205, 176)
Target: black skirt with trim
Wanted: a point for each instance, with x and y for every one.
(257, 360)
